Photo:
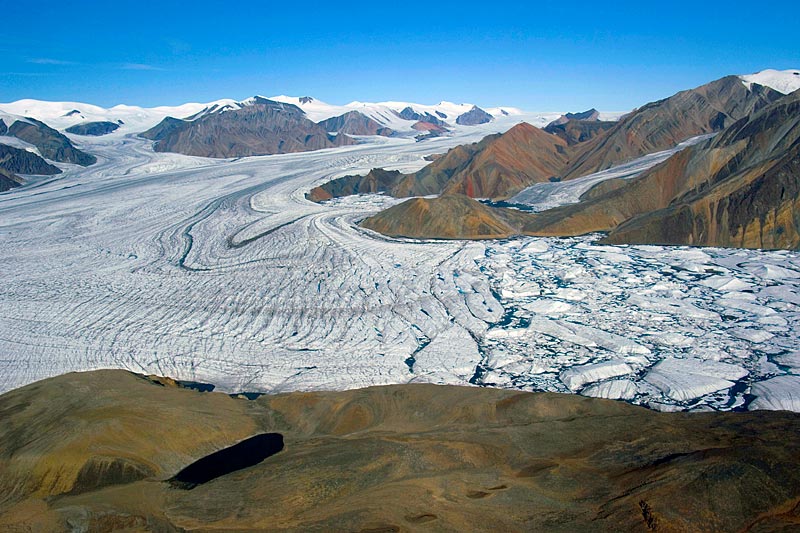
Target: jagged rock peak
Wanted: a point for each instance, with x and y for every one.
(589, 115)
(473, 117)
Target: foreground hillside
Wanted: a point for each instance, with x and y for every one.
(96, 451)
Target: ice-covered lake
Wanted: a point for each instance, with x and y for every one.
(221, 271)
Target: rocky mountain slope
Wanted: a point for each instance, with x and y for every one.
(576, 128)
(663, 124)
(355, 123)
(450, 216)
(94, 129)
(50, 143)
(741, 188)
(502, 166)
(15, 161)
(590, 115)
(259, 127)
(9, 180)
(96, 451)
(408, 113)
(24, 162)
(473, 117)
(499, 166)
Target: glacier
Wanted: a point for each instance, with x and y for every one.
(221, 271)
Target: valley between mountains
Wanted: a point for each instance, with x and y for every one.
(264, 273)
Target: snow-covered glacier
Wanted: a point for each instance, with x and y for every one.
(222, 272)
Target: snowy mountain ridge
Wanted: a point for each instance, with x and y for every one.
(783, 81)
(61, 115)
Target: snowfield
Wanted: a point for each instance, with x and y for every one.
(220, 271)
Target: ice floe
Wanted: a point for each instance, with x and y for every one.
(780, 393)
(691, 378)
(577, 376)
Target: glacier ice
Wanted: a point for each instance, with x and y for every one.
(222, 271)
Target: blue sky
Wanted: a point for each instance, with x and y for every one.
(613, 56)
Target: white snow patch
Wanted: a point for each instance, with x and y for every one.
(783, 81)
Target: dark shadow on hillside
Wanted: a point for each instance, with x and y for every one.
(247, 453)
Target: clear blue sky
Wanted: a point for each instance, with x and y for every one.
(613, 56)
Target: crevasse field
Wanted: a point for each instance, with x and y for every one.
(222, 272)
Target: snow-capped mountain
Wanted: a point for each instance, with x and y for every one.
(62, 115)
(783, 81)
(386, 113)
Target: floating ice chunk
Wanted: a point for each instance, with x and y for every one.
(687, 379)
(670, 338)
(765, 367)
(746, 306)
(500, 357)
(742, 296)
(726, 284)
(520, 290)
(573, 272)
(690, 254)
(752, 335)
(792, 360)
(649, 248)
(537, 246)
(614, 256)
(586, 336)
(577, 376)
(525, 368)
(574, 295)
(783, 293)
(547, 307)
(774, 272)
(617, 389)
(774, 320)
(671, 306)
(781, 393)
(664, 407)
(496, 378)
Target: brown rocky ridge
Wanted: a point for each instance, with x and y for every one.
(94, 129)
(50, 143)
(497, 167)
(450, 216)
(107, 450)
(501, 165)
(9, 180)
(576, 128)
(15, 160)
(258, 127)
(663, 124)
(355, 123)
(741, 188)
